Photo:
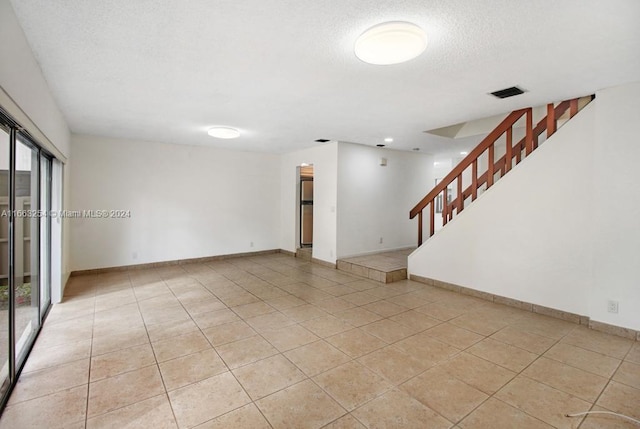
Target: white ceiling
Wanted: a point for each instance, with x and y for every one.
(284, 72)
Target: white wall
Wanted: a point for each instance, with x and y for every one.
(325, 174)
(561, 229)
(374, 201)
(22, 81)
(616, 229)
(26, 96)
(185, 202)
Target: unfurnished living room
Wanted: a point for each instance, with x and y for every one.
(319, 214)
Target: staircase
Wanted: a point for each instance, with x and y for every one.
(480, 169)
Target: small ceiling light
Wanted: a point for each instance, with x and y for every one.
(464, 153)
(388, 140)
(391, 43)
(436, 163)
(223, 132)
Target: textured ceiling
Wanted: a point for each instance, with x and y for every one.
(284, 72)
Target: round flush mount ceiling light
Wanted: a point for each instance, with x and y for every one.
(388, 140)
(391, 43)
(223, 132)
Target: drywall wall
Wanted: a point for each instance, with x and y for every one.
(374, 201)
(23, 89)
(528, 237)
(561, 229)
(616, 229)
(324, 159)
(185, 202)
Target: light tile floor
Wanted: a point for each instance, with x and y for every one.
(273, 342)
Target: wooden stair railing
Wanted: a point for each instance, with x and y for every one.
(503, 165)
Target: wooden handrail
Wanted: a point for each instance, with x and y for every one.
(504, 164)
(468, 160)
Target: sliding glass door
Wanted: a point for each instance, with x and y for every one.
(4, 261)
(45, 235)
(26, 228)
(25, 247)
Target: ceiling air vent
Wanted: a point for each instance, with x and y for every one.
(508, 92)
(322, 140)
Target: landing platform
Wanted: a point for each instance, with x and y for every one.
(384, 267)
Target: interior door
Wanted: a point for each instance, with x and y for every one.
(306, 212)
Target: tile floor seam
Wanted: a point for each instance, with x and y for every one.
(513, 406)
(560, 390)
(595, 402)
(327, 393)
(525, 411)
(86, 411)
(47, 394)
(113, 410)
(54, 391)
(231, 411)
(540, 354)
(164, 386)
(595, 351)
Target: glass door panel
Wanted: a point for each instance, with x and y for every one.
(45, 235)
(4, 260)
(27, 252)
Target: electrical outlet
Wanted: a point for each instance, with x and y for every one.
(612, 306)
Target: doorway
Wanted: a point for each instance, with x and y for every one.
(305, 198)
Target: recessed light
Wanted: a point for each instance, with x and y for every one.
(223, 132)
(380, 145)
(436, 163)
(391, 43)
(388, 140)
(464, 153)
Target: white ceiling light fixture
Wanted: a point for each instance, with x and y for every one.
(224, 132)
(391, 43)
(388, 140)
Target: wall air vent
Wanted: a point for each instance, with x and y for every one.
(508, 92)
(322, 140)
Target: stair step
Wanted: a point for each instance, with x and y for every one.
(304, 253)
(384, 267)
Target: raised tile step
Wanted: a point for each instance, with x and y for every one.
(384, 267)
(304, 253)
(373, 273)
